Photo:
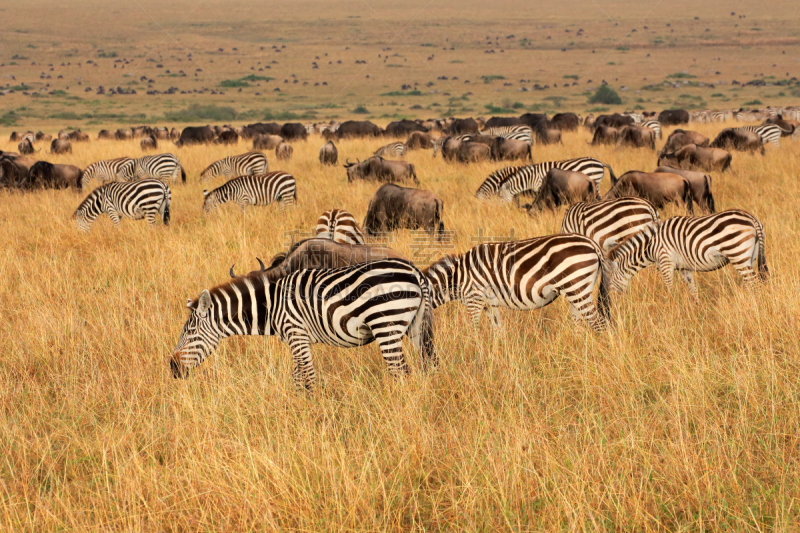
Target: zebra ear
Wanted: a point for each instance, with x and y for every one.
(205, 193)
(188, 303)
(203, 303)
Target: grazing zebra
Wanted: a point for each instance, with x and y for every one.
(750, 116)
(721, 116)
(261, 189)
(769, 133)
(508, 184)
(525, 275)
(655, 126)
(694, 244)
(519, 132)
(611, 222)
(164, 167)
(133, 199)
(396, 149)
(340, 226)
(378, 301)
(119, 169)
(237, 165)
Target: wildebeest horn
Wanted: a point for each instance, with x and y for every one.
(231, 272)
(261, 263)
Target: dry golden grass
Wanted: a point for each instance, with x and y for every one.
(684, 417)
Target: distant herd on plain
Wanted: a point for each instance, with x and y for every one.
(341, 290)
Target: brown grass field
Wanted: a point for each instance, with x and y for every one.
(684, 417)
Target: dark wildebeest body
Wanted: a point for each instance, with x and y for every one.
(547, 135)
(266, 141)
(60, 146)
(561, 187)
(656, 187)
(79, 137)
(196, 135)
(680, 138)
(605, 135)
(252, 130)
(50, 176)
(463, 125)
(14, 171)
(284, 151)
(394, 207)
(787, 127)
(294, 131)
(25, 147)
(532, 119)
(565, 121)
(377, 168)
(692, 157)
(741, 140)
(673, 117)
(472, 152)
(418, 140)
(328, 154)
(227, 137)
(615, 121)
(701, 186)
(148, 143)
(637, 137)
(403, 128)
(352, 129)
(509, 149)
(496, 122)
(105, 134)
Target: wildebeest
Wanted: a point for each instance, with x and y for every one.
(161, 134)
(25, 147)
(463, 125)
(637, 137)
(693, 157)
(294, 131)
(605, 135)
(196, 135)
(787, 127)
(63, 134)
(44, 137)
(419, 139)
(403, 128)
(659, 188)
(123, 135)
(565, 121)
(547, 135)
(700, 183)
(260, 128)
(174, 135)
(50, 176)
(394, 207)
(266, 141)
(615, 121)
(741, 140)
(79, 137)
(532, 119)
(508, 149)
(60, 146)
(328, 154)
(148, 143)
(105, 134)
(680, 138)
(227, 137)
(561, 187)
(13, 171)
(283, 151)
(351, 129)
(496, 122)
(472, 152)
(673, 117)
(379, 169)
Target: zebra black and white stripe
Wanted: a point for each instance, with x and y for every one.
(395, 149)
(119, 169)
(508, 184)
(261, 189)
(237, 165)
(611, 222)
(340, 226)
(694, 244)
(655, 126)
(750, 116)
(131, 199)
(520, 132)
(769, 133)
(346, 307)
(164, 167)
(526, 275)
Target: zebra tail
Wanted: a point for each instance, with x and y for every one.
(421, 328)
(763, 271)
(414, 174)
(687, 198)
(611, 173)
(164, 208)
(708, 197)
(604, 295)
(183, 175)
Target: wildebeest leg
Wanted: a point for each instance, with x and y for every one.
(303, 371)
(688, 277)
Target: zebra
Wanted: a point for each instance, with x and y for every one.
(769, 133)
(526, 275)
(638, 118)
(694, 244)
(749, 116)
(346, 307)
(396, 149)
(508, 184)
(721, 116)
(261, 189)
(655, 126)
(237, 165)
(119, 169)
(611, 222)
(340, 226)
(165, 167)
(133, 199)
(520, 132)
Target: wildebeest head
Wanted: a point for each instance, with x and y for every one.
(354, 170)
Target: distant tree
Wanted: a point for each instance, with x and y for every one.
(605, 95)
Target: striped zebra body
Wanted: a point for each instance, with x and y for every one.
(133, 199)
(164, 167)
(261, 189)
(346, 307)
(721, 116)
(507, 184)
(519, 132)
(30, 136)
(119, 169)
(525, 275)
(695, 244)
(655, 126)
(749, 116)
(700, 116)
(339, 225)
(611, 222)
(396, 149)
(769, 133)
(638, 118)
(237, 165)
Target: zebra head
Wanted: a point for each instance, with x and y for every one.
(209, 172)
(632, 255)
(441, 276)
(198, 339)
(210, 201)
(88, 211)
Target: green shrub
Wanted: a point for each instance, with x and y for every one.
(605, 95)
(361, 110)
(681, 75)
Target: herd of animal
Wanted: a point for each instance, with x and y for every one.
(337, 289)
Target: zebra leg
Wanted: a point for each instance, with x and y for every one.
(583, 308)
(667, 270)
(113, 215)
(475, 305)
(390, 339)
(150, 216)
(303, 371)
(688, 277)
(745, 267)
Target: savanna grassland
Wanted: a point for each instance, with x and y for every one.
(218, 61)
(684, 417)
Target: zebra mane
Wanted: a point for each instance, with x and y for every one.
(444, 261)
